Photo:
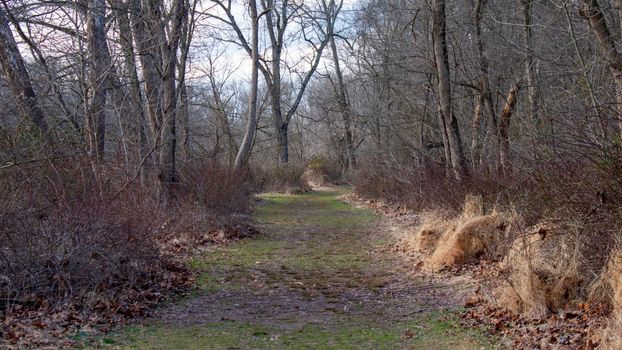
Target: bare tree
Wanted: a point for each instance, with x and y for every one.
(158, 39)
(98, 78)
(251, 124)
(504, 127)
(278, 18)
(453, 145)
(484, 105)
(530, 69)
(121, 10)
(18, 77)
(332, 9)
(598, 23)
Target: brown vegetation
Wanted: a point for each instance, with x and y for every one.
(75, 242)
(555, 256)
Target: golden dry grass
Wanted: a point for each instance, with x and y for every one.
(425, 238)
(544, 272)
(611, 280)
(446, 241)
(474, 237)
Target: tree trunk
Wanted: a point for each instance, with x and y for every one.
(251, 125)
(98, 78)
(484, 105)
(530, 71)
(281, 126)
(150, 61)
(504, 128)
(158, 53)
(167, 159)
(18, 78)
(455, 149)
(592, 11)
(168, 137)
(283, 140)
(136, 107)
(184, 119)
(476, 147)
(342, 97)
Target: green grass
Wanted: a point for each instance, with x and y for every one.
(432, 333)
(317, 246)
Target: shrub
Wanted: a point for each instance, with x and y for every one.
(74, 233)
(286, 178)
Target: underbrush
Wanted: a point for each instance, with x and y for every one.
(285, 178)
(551, 230)
(85, 245)
(292, 178)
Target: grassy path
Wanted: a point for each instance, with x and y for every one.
(314, 280)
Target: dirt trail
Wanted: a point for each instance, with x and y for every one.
(315, 280)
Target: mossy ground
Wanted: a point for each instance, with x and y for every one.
(314, 280)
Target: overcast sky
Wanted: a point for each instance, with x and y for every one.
(231, 59)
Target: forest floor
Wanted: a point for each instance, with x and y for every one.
(317, 278)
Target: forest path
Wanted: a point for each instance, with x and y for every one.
(316, 279)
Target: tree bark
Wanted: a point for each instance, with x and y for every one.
(18, 78)
(98, 78)
(342, 96)
(504, 128)
(158, 54)
(530, 71)
(455, 149)
(251, 125)
(136, 108)
(592, 11)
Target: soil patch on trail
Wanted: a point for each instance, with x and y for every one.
(318, 278)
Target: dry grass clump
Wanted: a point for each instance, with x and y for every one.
(472, 238)
(426, 236)
(447, 241)
(614, 279)
(473, 234)
(611, 336)
(545, 271)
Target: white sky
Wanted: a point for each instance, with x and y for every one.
(234, 60)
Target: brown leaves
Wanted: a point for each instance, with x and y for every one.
(570, 329)
(39, 325)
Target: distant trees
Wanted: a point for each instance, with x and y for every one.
(466, 87)
(280, 18)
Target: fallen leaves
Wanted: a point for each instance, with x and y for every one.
(36, 323)
(570, 329)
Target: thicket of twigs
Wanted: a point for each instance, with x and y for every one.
(87, 243)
